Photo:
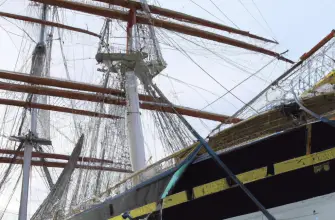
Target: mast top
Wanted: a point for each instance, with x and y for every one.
(184, 17)
(142, 19)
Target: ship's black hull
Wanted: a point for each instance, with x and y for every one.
(273, 190)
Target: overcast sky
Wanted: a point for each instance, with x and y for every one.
(297, 25)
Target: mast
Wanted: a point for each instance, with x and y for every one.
(36, 69)
(136, 140)
(171, 26)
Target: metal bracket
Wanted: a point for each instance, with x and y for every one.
(31, 138)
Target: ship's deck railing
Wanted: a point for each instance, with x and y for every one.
(135, 179)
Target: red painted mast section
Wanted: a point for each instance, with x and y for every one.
(131, 22)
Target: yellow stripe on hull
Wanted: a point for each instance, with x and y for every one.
(245, 178)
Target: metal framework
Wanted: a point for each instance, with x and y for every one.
(120, 15)
(304, 57)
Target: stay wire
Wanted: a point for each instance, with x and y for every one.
(240, 84)
(8, 34)
(11, 196)
(20, 29)
(214, 156)
(226, 59)
(265, 21)
(256, 97)
(252, 15)
(224, 14)
(207, 73)
(16, 62)
(3, 2)
(189, 84)
(199, 93)
(207, 11)
(10, 166)
(194, 87)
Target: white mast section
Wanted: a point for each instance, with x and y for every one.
(134, 125)
(37, 65)
(133, 64)
(45, 114)
(36, 69)
(136, 140)
(25, 181)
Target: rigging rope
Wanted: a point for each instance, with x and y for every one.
(11, 195)
(182, 167)
(319, 117)
(77, 126)
(10, 166)
(226, 59)
(24, 31)
(207, 11)
(240, 84)
(206, 72)
(252, 16)
(224, 14)
(267, 24)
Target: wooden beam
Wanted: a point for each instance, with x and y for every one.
(55, 108)
(54, 156)
(48, 23)
(183, 17)
(120, 15)
(21, 77)
(318, 46)
(92, 88)
(62, 165)
(61, 93)
(111, 100)
(189, 112)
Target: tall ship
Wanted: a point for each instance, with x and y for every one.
(95, 125)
